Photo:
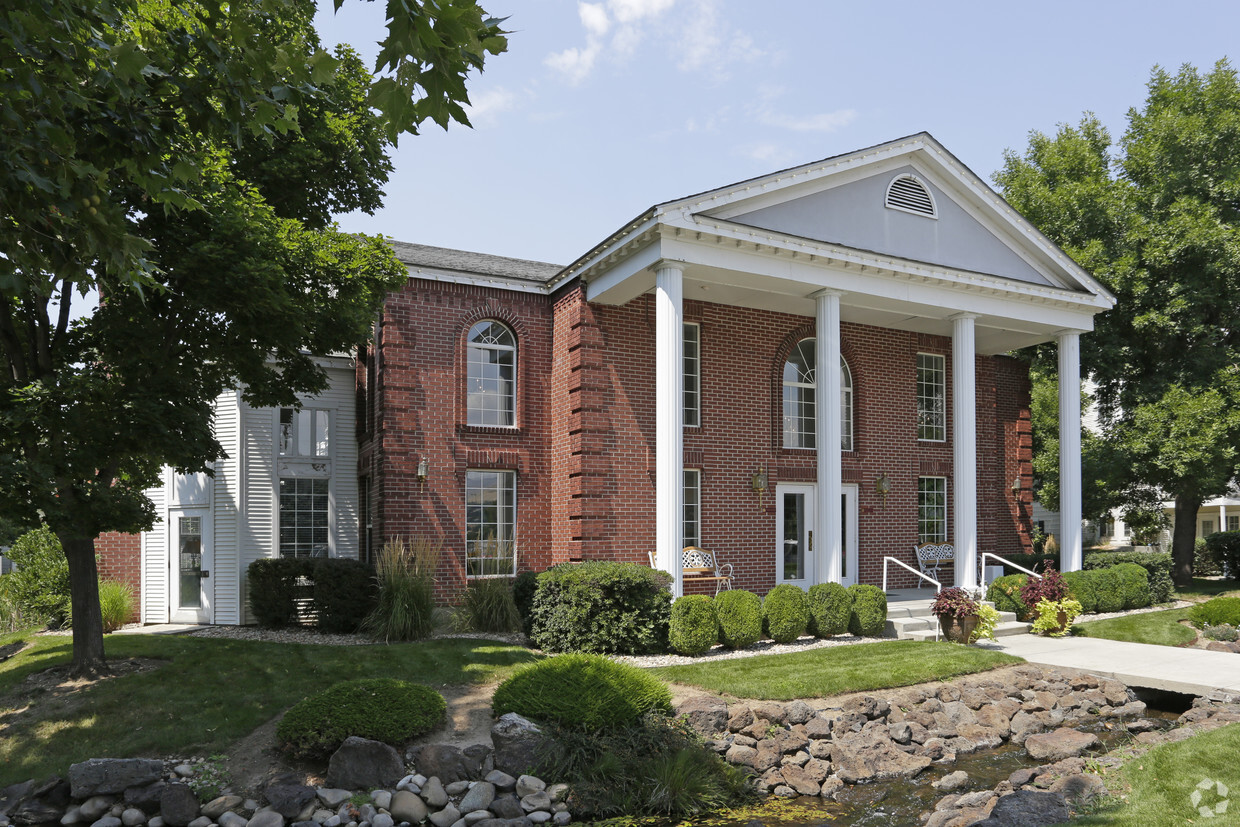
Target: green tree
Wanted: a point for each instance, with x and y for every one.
(184, 159)
(1155, 219)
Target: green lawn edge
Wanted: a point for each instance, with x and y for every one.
(820, 673)
(1157, 628)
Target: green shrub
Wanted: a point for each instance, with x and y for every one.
(115, 604)
(344, 593)
(40, 585)
(381, 709)
(740, 618)
(1156, 563)
(1107, 587)
(1081, 588)
(602, 607)
(1134, 585)
(869, 611)
(830, 606)
(1206, 560)
(11, 617)
(785, 613)
(1225, 547)
(581, 690)
(693, 628)
(1216, 612)
(523, 588)
(405, 572)
(273, 588)
(488, 606)
(1004, 592)
(1036, 562)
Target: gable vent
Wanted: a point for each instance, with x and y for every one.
(909, 194)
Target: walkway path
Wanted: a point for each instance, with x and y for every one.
(1192, 671)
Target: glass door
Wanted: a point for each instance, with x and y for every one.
(794, 519)
(848, 516)
(189, 566)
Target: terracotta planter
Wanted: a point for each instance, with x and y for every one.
(958, 629)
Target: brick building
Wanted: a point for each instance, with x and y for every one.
(662, 390)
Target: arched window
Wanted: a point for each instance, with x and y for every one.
(491, 381)
(799, 383)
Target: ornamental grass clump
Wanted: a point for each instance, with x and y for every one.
(740, 618)
(115, 604)
(405, 572)
(830, 606)
(584, 691)
(488, 606)
(381, 709)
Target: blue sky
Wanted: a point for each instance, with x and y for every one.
(600, 110)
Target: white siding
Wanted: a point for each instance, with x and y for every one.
(344, 490)
(258, 491)
(225, 572)
(155, 562)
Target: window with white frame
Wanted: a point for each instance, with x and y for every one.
(1233, 523)
(304, 433)
(799, 406)
(304, 516)
(932, 509)
(931, 397)
(693, 375)
(693, 507)
(491, 380)
(490, 523)
(1207, 528)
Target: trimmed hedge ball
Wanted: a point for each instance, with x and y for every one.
(381, 709)
(693, 628)
(1107, 587)
(740, 618)
(585, 691)
(869, 611)
(830, 606)
(1134, 585)
(1081, 589)
(785, 613)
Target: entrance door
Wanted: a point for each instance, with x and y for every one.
(189, 592)
(794, 518)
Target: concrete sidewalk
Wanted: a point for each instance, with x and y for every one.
(1192, 671)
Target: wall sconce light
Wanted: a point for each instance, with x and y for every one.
(424, 470)
(882, 487)
(759, 482)
(1016, 489)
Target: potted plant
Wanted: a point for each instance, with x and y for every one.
(957, 613)
(1051, 586)
(1054, 617)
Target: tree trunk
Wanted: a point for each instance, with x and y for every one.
(84, 597)
(1184, 539)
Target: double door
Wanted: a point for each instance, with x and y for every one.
(796, 560)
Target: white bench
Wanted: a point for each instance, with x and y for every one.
(697, 565)
(930, 556)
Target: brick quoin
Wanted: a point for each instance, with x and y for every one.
(584, 445)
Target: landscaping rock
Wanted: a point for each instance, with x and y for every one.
(178, 805)
(477, 760)
(519, 743)
(201, 821)
(539, 817)
(380, 820)
(94, 807)
(479, 797)
(952, 781)
(434, 794)
(507, 807)
(502, 780)
(216, 807)
(112, 775)
(382, 799)
(528, 784)
(231, 819)
(476, 816)
(266, 818)
(1060, 744)
(132, 817)
(406, 807)
(443, 761)
(798, 779)
(536, 801)
(289, 799)
(456, 787)
(1028, 808)
(706, 714)
(446, 817)
(362, 764)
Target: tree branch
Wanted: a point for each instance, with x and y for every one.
(12, 344)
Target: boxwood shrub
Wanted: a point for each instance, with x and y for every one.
(272, 584)
(1081, 589)
(785, 613)
(583, 691)
(740, 618)
(1134, 585)
(1004, 592)
(869, 611)
(1216, 612)
(381, 709)
(830, 606)
(601, 607)
(693, 628)
(344, 593)
(1107, 586)
(1157, 564)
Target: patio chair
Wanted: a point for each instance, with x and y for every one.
(931, 556)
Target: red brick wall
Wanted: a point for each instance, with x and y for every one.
(120, 558)
(585, 449)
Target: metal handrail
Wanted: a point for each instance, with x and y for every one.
(1004, 561)
(938, 587)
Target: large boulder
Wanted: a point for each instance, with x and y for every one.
(443, 761)
(1060, 744)
(363, 764)
(1028, 808)
(706, 714)
(178, 805)
(289, 799)
(519, 744)
(108, 776)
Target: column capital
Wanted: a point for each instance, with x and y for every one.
(822, 294)
(962, 316)
(1069, 331)
(668, 264)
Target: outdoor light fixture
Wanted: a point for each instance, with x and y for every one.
(758, 483)
(1016, 488)
(882, 486)
(424, 470)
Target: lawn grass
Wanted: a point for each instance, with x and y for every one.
(210, 693)
(1159, 628)
(1162, 781)
(1204, 588)
(819, 673)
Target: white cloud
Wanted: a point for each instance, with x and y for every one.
(594, 18)
(765, 152)
(707, 44)
(597, 19)
(631, 11)
(486, 106)
(821, 122)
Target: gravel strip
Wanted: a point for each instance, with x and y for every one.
(1179, 604)
(765, 647)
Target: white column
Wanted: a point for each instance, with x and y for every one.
(828, 516)
(964, 449)
(1069, 450)
(669, 418)
(1222, 517)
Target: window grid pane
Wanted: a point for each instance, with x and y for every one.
(490, 520)
(932, 509)
(931, 397)
(304, 522)
(304, 433)
(693, 507)
(800, 381)
(490, 383)
(1233, 523)
(693, 375)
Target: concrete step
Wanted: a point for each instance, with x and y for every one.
(1006, 629)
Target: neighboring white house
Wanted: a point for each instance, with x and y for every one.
(287, 486)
